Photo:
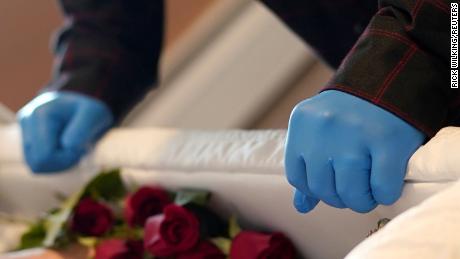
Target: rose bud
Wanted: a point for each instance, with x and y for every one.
(147, 201)
(176, 230)
(253, 245)
(119, 249)
(203, 250)
(91, 218)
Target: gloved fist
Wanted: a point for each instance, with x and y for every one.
(347, 152)
(59, 127)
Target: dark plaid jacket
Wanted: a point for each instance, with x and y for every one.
(109, 49)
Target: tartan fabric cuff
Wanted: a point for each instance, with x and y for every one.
(399, 66)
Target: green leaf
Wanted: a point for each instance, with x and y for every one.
(233, 228)
(184, 197)
(224, 244)
(107, 185)
(33, 237)
(147, 255)
(127, 232)
(55, 222)
(88, 241)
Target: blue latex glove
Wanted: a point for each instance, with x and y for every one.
(347, 152)
(59, 127)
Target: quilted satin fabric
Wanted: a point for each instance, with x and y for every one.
(244, 170)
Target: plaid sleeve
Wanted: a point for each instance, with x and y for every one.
(109, 50)
(401, 63)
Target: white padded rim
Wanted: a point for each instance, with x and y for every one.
(256, 151)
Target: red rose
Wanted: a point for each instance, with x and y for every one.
(203, 250)
(146, 202)
(253, 245)
(119, 249)
(91, 218)
(175, 231)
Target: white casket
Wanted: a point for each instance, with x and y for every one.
(244, 170)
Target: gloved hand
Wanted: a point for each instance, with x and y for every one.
(59, 127)
(347, 152)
